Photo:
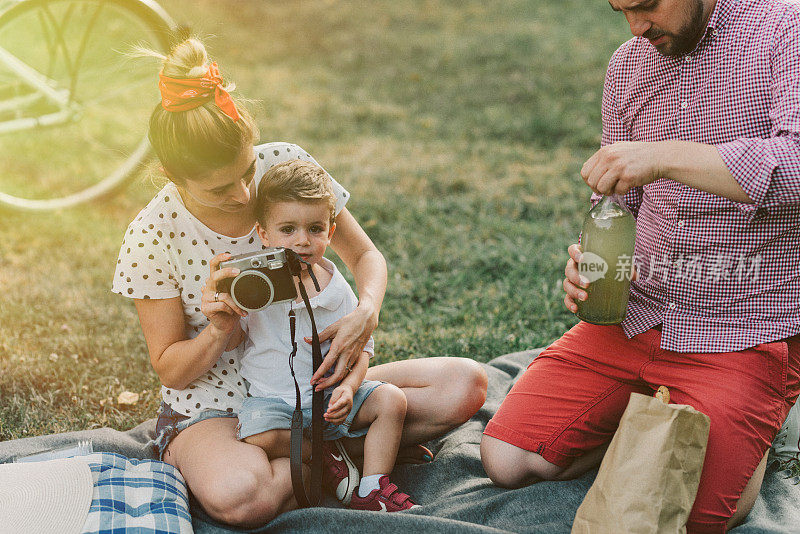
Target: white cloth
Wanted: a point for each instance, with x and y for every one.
(265, 363)
(45, 497)
(165, 254)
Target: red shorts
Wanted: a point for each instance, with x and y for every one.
(572, 396)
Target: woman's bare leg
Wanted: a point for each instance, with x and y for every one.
(442, 393)
(234, 482)
(277, 443)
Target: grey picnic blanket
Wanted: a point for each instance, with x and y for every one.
(454, 490)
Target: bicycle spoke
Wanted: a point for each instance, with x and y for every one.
(50, 43)
(58, 36)
(82, 48)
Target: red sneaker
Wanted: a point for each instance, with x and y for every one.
(385, 499)
(340, 474)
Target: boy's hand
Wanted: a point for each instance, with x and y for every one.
(340, 405)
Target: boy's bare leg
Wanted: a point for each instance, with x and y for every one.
(441, 394)
(276, 443)
(384, 412)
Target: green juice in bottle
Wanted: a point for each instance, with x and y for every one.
(609, 232)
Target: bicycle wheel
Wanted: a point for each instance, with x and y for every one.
(73, 101)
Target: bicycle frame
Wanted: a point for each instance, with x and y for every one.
(34, 94)
(43, 87)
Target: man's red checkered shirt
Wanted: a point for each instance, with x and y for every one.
(720, 275)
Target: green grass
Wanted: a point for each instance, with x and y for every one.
(459, 127)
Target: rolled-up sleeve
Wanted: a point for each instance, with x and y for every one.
(769, 169)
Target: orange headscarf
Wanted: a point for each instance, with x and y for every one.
(182, 94)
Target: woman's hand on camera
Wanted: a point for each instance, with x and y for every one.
(223, 314)
(349, 335)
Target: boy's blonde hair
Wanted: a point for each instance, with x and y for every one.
(294, 181)
(193, 142)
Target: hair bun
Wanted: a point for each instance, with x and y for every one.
(189, 143)
(187, 59)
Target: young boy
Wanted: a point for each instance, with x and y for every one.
(295, 210)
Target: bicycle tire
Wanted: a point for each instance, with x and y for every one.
(97, 63)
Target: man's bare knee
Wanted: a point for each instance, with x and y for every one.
(749, 494)
(512, 467)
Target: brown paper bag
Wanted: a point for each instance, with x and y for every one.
(649, 476)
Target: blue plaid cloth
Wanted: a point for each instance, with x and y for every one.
(136, 496)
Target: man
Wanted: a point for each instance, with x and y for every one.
(701, 134)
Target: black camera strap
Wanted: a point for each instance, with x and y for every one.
(314, 496)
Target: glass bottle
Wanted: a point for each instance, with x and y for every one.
(607, 240)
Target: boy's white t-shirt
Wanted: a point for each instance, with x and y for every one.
(165, 254)
(265, 362)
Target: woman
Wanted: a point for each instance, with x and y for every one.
(204, 141)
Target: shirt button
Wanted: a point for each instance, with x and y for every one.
(714, 33)
(688, 59)
(681, 223)
(684, 104)
(671, 305)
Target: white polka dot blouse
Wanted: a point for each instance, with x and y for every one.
(165, 254)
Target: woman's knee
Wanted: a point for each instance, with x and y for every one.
(466, 383)
(246, 497)
(511, 467)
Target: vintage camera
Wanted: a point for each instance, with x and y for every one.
(265, 278)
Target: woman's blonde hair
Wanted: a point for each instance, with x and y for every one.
(191, 143)
(295, 180)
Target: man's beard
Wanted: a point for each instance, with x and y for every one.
(686, 38)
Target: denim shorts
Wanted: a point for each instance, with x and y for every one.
(170, 423)
(260, 414)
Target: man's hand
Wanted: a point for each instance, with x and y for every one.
(340, 404)
(574, 284)
(617, 168)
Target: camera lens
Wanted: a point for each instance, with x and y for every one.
(253, 291)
